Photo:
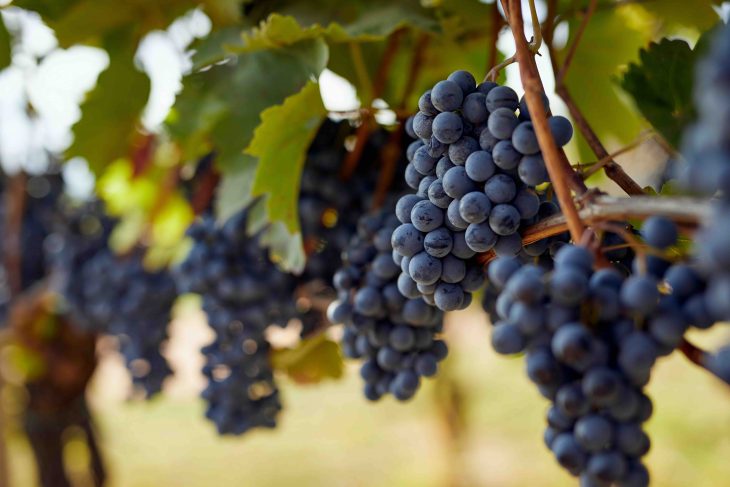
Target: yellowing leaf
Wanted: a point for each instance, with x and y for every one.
(312, 361)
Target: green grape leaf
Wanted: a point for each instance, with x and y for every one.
(280, 143)
(610, 42)
(111, 111)
(661, 86)
(697, 14)
(313, 360)
(5, 47)
(216, 47)
(219, 109)
(362, 19)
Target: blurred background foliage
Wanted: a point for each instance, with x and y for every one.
(242, 77)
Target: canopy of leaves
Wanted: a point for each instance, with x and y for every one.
(84, 21)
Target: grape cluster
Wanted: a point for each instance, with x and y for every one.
(42, 213)
(591, 339)
(106, 293)
(706, 147)
(475, 167)
(243, 294)
(705, 144)
(328, 215)
(586, 355)
(394, 335)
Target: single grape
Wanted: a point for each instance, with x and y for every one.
(480, 237)
(424, 268)
(561, 128)
(407, 240)
(502, 97)
(464, 79)
(422, 162)
(474, 207)
(504, 219)
(502, 123)
(505, 155)
(425, 105)
(426, 216)
(437, 195)
(447, 127)
(500, 188)
(457, 183)
(507, 339)
(446, 96)
(524, 139)
(480, 166)
(527, 203)
(508, 245)
(422, 125)
(438, 242)
(532, 170)
(659, 231)
(475, 108)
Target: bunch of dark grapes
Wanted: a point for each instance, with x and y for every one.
(243, 294)
(706, 147)
(475, 168)
(592, 338)
(396, 336)
(41, 214)
(587, 355)
(117, 295)
(327, 212)
(705, 144)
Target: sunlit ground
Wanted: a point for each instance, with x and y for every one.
(330, 436)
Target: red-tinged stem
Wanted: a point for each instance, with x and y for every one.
(558, 168)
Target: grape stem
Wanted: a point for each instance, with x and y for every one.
(694, 354)
(494, 72)
(419, 53)
(389, 156)
(697, 356)
(374, 91)
(534, 44)
(607, 208)
(682, 210)
(14, 203)
(614, 171)
(361, 71)
(497, 24)
(558, 167)
(594, 167)
(205, 190)
(560, 75)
